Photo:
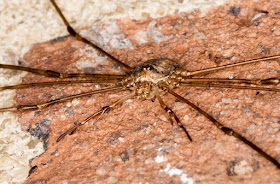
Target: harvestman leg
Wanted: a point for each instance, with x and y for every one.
(171, 115)
(269, 81)
(59, 100)
(231, 87)
(97, 113)
(42, 84)
(54, 74)
(186, 73)
(73, 33)
(223, 83)
(226, 130)
(94, 78)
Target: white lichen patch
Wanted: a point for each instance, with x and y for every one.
(242, 168)
(141, 36)
(186, 117)
(155, 35)
(159, 159)
(90, 62)
(177, 172)
(107, 35)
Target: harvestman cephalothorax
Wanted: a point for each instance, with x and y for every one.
(151, 80)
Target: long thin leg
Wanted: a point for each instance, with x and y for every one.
(230, 86)
(97, 113)
(186, 73)
(59, 100)
(171, 115)
(42, 84)
(51, 73)
(269, 81)
(227, 130)
(72, 32)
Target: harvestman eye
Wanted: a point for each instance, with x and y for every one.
(151, 80)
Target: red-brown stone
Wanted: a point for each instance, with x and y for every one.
(124, 145)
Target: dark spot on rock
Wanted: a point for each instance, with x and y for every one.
(38, 181)
(230, 168)
(167, 151)
(175, 24)
(116, 67)
(48, 95)
(124, 156)
(234, 11)
(257, 92)
(114, 138)
(218, 59)
(32, 170)
(53, 153)
(185, 33)
(143, 127)
(42, 131)
(100, 67)
(133, 152)
(69, 111)
(90, 70)
(229, 58)
(22, 62)
(247, 109)
(59, 39)
(257, 22)
(177, 100)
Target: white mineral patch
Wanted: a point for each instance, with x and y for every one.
(177, 172)
(107, 35)
(141, 35)
(242, 168)
(16, 149)
(159, 159)
(155, 35)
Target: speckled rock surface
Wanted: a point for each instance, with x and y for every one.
(24, 22)
(135, 142)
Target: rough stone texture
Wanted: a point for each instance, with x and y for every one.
(135, 142)
(24, 22)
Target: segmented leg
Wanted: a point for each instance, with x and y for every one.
(43, 84)
(186, 73)
(269, 81)
(171, 115)
(73, 33)
(230, 86)
(54, 74)
(97, 113)
(227, 130)
(59, 100)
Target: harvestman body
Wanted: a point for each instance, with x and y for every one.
(149, 81)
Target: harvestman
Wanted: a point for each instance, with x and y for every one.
(149, 81)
